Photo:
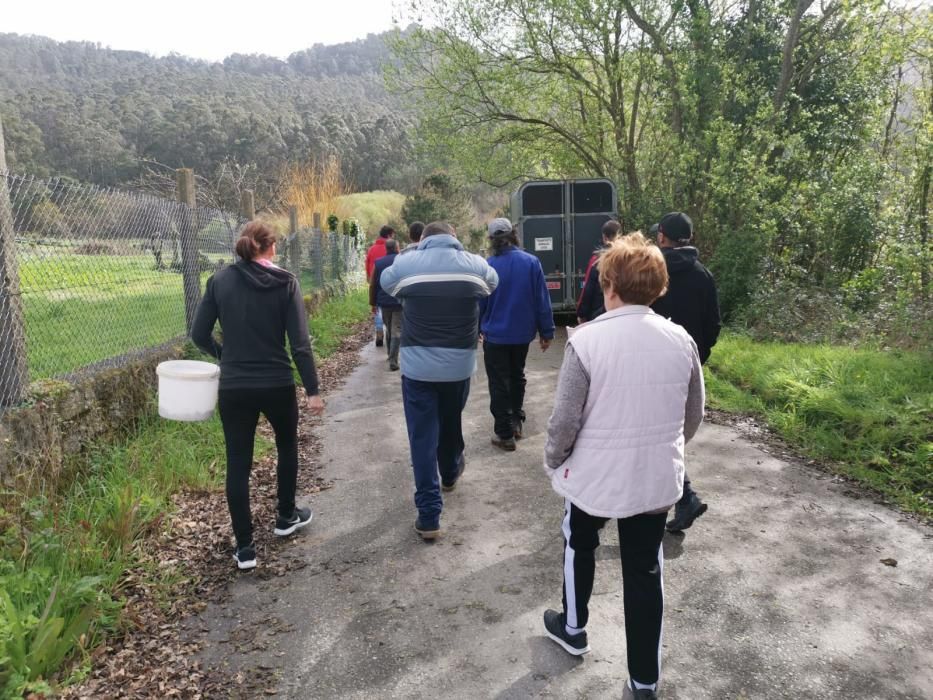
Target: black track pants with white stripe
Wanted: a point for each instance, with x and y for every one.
(642, 578)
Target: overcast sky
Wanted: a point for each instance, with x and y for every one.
(200, 28)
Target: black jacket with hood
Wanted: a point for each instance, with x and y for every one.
(257, 307)
(691, 300)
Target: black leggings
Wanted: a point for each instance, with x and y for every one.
(239, 414)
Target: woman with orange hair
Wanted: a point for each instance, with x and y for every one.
(630, 395)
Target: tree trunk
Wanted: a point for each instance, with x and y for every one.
(787, 61)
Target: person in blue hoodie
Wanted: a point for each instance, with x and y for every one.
(439, 286)
(512, 316)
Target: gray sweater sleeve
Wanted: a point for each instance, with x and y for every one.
(696, 399)
(573, 387)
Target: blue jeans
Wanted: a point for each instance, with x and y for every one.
(435, 435)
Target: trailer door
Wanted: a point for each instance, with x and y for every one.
(592, 204)
(543, 234)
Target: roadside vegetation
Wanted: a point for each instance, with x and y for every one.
(867, 414)
(66, 548)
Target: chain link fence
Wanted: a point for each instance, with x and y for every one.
(91, 278)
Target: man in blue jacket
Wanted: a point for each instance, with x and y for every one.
(439, 286)
(512, 316)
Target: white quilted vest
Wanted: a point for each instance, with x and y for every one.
(629, 455)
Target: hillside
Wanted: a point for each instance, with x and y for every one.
(81, 110)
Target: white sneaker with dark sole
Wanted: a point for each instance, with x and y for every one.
(245, 557)
(299, 518)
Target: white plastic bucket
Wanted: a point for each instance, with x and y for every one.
(187, 389)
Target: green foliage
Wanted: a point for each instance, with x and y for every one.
(441, 197)
(797, 137)
(331, 323)
(867, 413)
(64, 552)
(332, 223)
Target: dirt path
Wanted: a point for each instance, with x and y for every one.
(778, 591)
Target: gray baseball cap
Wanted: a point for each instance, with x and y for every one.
(499, 225)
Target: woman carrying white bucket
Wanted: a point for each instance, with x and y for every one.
(258, 304)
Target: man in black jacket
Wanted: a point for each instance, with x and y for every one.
(692, 302)
(591, 303)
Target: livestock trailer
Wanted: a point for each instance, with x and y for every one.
(560, 222)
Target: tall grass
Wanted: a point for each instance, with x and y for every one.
(314, 187)
(868, 413)
(64, 550)
(373, 209)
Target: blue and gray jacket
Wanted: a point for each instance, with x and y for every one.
(440, 286)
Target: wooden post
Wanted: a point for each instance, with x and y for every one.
(13, 370)
(294, 245)
(188, 236)
(247, 205)
(316, 221)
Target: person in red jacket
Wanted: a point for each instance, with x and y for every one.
(378, 250)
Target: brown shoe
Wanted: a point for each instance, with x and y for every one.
(427, 532)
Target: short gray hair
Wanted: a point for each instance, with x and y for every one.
(391, 245)
(436, 228)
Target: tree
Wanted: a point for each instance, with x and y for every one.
(440, 198)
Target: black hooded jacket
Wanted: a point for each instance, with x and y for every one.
(257, 307)
(691, 300)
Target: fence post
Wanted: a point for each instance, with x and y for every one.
(316, 221)
(247, 205)
(294, 245)
(188, 236)
(13, 370)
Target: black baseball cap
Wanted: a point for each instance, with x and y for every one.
(676, 226)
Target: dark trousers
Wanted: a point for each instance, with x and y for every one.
(392, 319)
(642, 586)
(505, 370)
(432, 412)
(239, 414)
(688, 491)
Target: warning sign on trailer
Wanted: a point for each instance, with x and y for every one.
(553, 285)
(544, 244)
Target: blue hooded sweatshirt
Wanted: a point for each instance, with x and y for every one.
(520, 308)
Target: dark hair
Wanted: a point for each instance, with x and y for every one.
(391, 246)
(415, 231)
(255, 238)
(611, 229)
(436, 228)
(503, 240)
(386, 231)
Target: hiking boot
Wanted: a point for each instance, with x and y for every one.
(393, 366)
(575, 644)
(629, 693)
(428, 531)
(686, 513)
(507, 444)
(517, 425)
(451, 485)
(298, 519)
(380, 337)
(245, 557)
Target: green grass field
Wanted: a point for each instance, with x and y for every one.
(867, 413)
(82, 309)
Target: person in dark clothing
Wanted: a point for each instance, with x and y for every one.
(510, 318)
(693, 303)
(390, 306)
(591, 302)
(258, 305)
